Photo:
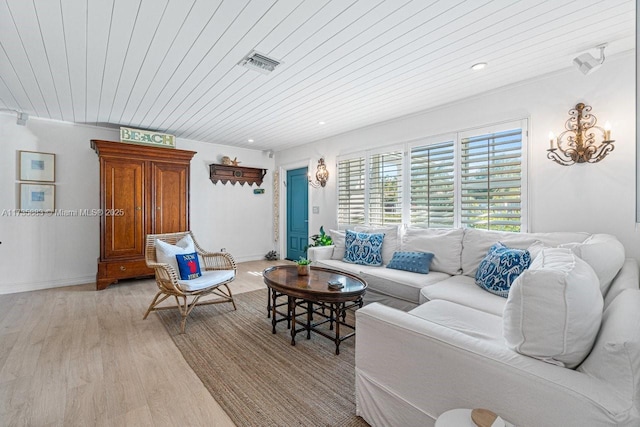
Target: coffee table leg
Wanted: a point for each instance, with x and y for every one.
(273, 311)
(339, 310)
(309, 318)
(268, 302)
(292, 310)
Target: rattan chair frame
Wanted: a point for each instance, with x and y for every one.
(167, 278)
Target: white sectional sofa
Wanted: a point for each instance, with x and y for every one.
(427, 343)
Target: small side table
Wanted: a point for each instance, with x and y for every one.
(459, 418)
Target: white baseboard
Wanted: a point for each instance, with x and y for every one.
(13, 288)
(246, 258)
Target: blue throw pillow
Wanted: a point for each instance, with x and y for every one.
(416, 262)
(500, 267)
(363, 248)
(189, 266)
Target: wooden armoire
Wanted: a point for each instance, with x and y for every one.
(143, 190)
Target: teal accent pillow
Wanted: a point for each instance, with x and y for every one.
(189, 266)
(500, 268)
(363, 248)
(416, 262)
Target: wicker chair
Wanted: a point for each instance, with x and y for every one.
(169, 283)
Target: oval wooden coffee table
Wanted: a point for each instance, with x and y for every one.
(314, 288)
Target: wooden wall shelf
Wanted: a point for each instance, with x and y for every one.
(233, 174)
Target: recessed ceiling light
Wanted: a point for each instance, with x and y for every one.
(249, 140)
(478, 66)
(321, 122)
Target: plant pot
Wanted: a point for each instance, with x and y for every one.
(303, 270)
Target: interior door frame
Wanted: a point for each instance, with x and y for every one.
(282, 208)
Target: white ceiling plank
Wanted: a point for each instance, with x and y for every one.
(127, 13)
(144, 30)
(172, 64)
(49, 16)
(172, 23)
(74, 20)
(350, 102)
(217, 71)
(207, 40)
(99, 26)
(19, 59)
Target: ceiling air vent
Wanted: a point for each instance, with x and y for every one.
(259, 62)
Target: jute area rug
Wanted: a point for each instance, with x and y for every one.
(260, 379)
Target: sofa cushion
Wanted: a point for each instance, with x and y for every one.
(338, 242)
(464, 291)
(444, 244)
(476, 243)
(614, 357)
(554, 309)
(363, 248)
(399, 284)
(604, 253)
(500, 268)
(475, 323)
(343, 266)
(166, 252)
(391, 242)
(416, 262)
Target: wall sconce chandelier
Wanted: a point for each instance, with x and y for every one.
(322, 175)
(580, 143)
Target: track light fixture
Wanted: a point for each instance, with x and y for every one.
(587, 64)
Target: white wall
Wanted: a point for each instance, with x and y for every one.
(597, 198)
(49, 251)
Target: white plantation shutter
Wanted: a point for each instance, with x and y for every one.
(491, 181)
(351, 191)
(432, 185)
(385, 188)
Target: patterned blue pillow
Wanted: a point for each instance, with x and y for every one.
(189, 266)
(500, 267)
(416, 262)
(363, 248)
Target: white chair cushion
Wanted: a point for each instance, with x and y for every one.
(444, 244)
(208, 279)
(166, 253)
(554, 309)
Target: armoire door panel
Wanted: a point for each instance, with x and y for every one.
(123, 208)
(170, 197)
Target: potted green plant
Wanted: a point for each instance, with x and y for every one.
(321, 239)
(304, 265)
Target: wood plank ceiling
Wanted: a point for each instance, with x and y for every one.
(171, 65)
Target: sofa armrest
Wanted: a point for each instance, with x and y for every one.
(431, 368)
(319, 253)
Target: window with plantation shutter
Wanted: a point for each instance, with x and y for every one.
(385, 188)
(491, 181)
(351, 191)
(432, 185)
(475, 178)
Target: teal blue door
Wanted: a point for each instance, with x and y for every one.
(297, 213)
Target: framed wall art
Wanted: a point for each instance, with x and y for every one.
(39, 197)
(36, 166)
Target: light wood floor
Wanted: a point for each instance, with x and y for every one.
(75, 356)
